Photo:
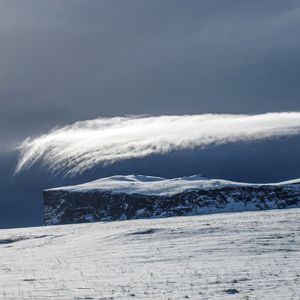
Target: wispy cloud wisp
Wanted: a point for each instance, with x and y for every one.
(76, 148)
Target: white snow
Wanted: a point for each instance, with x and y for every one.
(256, 254)
(150, 185)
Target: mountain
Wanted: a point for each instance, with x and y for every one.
(139, 196)
(249, 255)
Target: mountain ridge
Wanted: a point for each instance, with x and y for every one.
(139, 196)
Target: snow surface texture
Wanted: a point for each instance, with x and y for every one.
(150, 185)
(251, 255)
(75, 148)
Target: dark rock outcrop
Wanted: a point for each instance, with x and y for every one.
(64, 207)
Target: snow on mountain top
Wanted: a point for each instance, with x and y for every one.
(293, 181)
(150, 185)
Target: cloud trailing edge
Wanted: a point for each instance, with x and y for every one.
(75, 148)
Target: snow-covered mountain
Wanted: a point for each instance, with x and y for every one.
(250, 255)
(139, 196)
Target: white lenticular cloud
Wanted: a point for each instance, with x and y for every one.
(76, 148)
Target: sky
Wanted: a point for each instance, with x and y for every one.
(67, 60)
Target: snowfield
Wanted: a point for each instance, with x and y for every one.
(250, 255)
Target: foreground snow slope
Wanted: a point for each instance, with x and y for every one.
(250, 255)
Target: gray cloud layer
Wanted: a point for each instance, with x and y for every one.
(67, 60)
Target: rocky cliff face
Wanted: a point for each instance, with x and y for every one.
(64, 206)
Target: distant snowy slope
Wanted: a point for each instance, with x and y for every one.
(293, 181)
(150, 185)
(252, 255)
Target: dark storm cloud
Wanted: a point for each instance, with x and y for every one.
(119, 57)
(68, 60)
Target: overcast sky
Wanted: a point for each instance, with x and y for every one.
(68, 60)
